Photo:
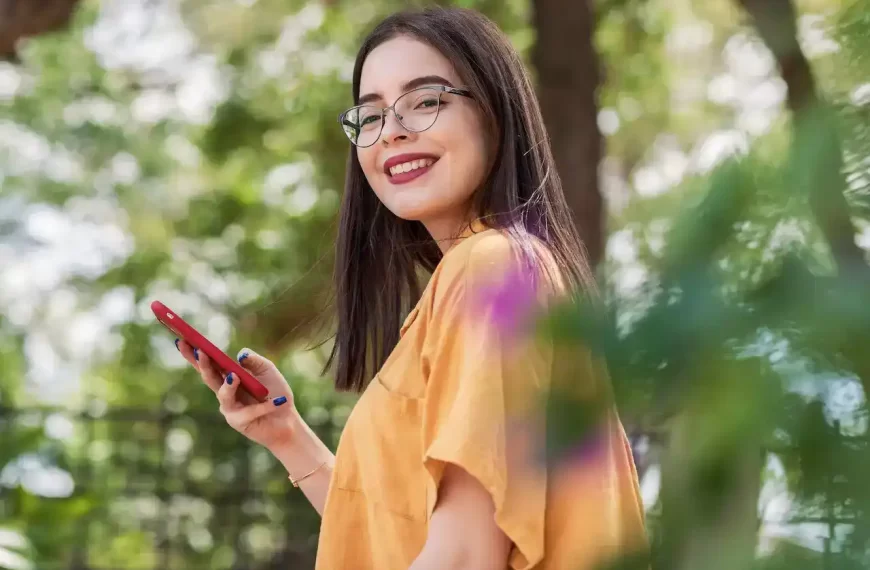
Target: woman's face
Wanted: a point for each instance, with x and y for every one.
(438, 195)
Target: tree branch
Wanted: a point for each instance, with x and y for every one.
(816, 139)
(817, 156)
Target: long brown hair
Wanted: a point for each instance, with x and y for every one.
(378, 254)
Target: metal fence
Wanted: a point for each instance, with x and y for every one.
(175, 489)
(158, 490)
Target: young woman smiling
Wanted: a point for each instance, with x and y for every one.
(450, 171)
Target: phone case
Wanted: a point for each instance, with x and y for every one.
(190, 335)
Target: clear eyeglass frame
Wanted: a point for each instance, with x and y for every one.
(348, 127)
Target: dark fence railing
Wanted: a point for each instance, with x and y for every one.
(176, 489)
(154, 489)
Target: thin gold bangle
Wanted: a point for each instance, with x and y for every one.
(310, 473)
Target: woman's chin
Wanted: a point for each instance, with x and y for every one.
(410, 215)
(411, 210)
(420, 204)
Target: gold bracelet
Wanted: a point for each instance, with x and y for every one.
(310, 473)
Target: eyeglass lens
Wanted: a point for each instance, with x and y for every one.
(415, 110)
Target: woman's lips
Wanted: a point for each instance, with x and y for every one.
(404, 177)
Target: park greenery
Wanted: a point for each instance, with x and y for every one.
(189, 152)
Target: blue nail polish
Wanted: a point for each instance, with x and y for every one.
(176, 345)
(279, 401)
(230, 378)
(243, 356)
(196, 354)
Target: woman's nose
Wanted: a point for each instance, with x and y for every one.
(393, 128)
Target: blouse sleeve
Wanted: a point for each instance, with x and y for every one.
(486, 378)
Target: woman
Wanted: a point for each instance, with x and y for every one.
(438, 465)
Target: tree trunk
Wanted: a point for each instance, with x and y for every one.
(27, 18)
(568, 77)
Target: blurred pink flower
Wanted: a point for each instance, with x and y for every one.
(510, 302)
(590, 448)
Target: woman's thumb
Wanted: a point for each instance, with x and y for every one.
(253, 362)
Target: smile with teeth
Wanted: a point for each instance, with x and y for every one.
(411, 165)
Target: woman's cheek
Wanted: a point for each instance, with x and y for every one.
(365, 163)
(471, 169)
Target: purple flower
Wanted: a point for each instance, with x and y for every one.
(588, 449)
(510, 302)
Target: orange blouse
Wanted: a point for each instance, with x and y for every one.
(463, 386)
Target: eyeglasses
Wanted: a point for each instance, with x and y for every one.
(416, 111)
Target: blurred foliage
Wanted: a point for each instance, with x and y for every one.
(202, 155)
(751, 330)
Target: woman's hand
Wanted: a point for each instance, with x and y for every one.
(275, 424)
(270, 423)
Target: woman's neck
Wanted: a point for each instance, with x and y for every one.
(446, 234)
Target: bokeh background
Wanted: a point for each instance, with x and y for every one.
(716, 154)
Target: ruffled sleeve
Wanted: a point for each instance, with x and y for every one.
(486, 378)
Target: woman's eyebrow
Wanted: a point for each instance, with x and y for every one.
(416, 82)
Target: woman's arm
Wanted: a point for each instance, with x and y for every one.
(302, 453)
(275, 424)
(462, 530)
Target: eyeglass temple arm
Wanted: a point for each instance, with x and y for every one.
(456, 91)
(348, 123)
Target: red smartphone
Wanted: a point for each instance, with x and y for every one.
(191, 336)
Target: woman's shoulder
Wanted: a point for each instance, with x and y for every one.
(491, 261)
(493, 252)
(486, 254)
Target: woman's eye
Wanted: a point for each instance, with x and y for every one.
(368, 120)
(427, 104)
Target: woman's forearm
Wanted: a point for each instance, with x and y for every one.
(302, 453)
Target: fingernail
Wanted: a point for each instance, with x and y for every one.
(230, 378)
(244, 356)
(279, 401)
(196, 354)
(176, 345)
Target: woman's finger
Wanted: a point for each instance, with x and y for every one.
(187, 352)
(227, 394)
(210, 376)
(242, 416)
